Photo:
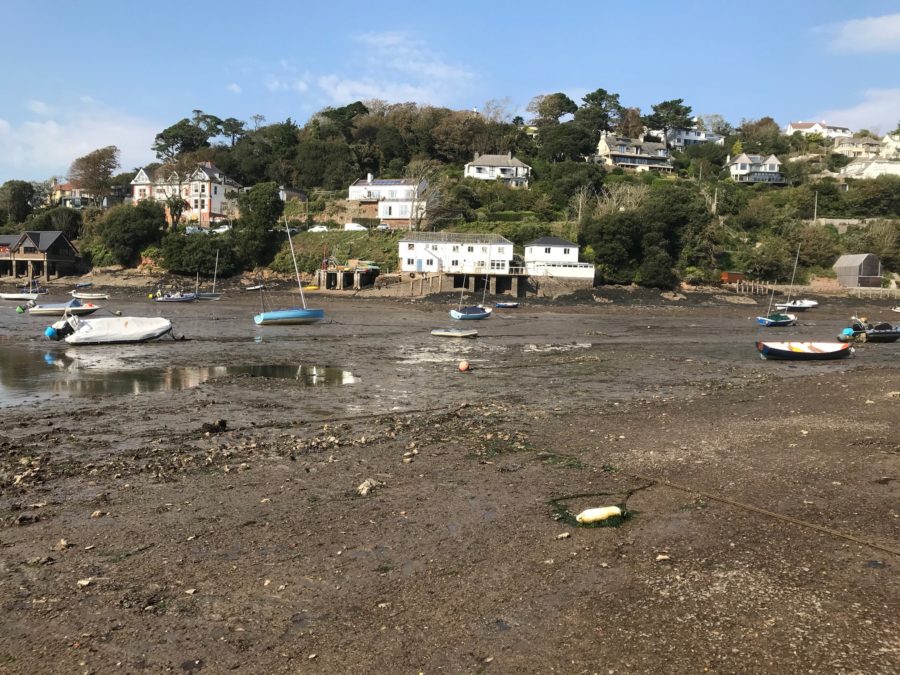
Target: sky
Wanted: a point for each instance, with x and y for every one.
(77, 76)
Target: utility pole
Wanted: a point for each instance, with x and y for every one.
(715, 203)
(816, 208)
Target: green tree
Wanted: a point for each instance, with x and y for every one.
(15, 201)
(126, 230)
(568, 141)
(93, 172)
(669, 115)
(631, 123)
(261, 209)
(233, 128)
(59, 219)
(548, 108)
(600, 111)
(182, 137)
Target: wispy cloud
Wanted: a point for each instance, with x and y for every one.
(396, 66)
(879, 111)
(38, 107)
(276, 84)
(870, 34)
(233, 87)
(37, 149)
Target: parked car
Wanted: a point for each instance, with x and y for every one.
(318, 228)
(195, 229)
(222, 229)
(382, 226)
(353, 227)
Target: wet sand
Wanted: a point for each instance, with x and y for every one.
(764, 534)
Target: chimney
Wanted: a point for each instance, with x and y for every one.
(369, 178)
(477, 155)
(509, 155)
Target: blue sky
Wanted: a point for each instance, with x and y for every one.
(79, 76)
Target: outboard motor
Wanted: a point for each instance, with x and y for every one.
(59, 330)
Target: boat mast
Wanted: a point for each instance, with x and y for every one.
(216, 271)
(294, 258)
(796, 260)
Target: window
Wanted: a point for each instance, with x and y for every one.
(404, 209)
(389, 210)
(454, 263)
(392, 194)
(742, 166)
(479, 169)
(484, 249)
(142, 192)
(410, 247)
(566, 251)
(480, 263)
(455, 249)
(429, 262)
(203, 188)
(196, 189)
(471, 249)
(622, 148)
(410, 261)
(434, 247)
(215, 189)
(500, 249)
(547, 250)
(498, 264)
(202, 203)
(196, 203)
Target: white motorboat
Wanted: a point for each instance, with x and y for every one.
(82, 295)
(74, 307)
(108, 330)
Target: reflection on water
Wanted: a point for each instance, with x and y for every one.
(25, 376)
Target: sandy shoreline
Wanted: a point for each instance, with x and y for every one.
(195, 546)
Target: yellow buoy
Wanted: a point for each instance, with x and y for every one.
(598, 515)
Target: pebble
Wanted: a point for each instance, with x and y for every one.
(563, 535)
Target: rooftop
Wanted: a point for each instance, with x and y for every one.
(551, 241)
(455, 238)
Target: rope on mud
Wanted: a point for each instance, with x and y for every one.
(770, 514)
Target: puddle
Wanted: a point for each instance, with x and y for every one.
(556, 348)
(75, 374)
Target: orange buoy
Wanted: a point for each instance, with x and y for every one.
(463, 366)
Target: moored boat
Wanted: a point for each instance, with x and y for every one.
(108, 330)
(804, 351)
(506, 305)
(455, 332)
(777, 320)
(471, 312)
(861, 331)
(82, 295)
(74, 307)
(178, 296)
(291, 316)
(797, 305)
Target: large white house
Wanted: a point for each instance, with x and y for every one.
(854, 148)
(821, 128)
(399, 202)
(506, 168)
(209, 194)
(682, 138)
(555, 257)
(890, 146)
(455, 253)
(614, 151)
(755, 169)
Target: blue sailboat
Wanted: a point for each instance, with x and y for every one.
(290, 315)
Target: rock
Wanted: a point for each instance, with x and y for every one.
(83, 583)
(98, 514)
(599, 514)
(61, 545)
(214, 427)
(563, 535)
(369, 484)
(662, 556)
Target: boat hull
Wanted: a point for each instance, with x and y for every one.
(19, 296)
(113, 330)
(804, 351)
(59, 309)
(289, 317)
(470, 313)
(777, 321)
(455, 332)
(176, 297)
(89, 296)
(506, 305)
(208, 296)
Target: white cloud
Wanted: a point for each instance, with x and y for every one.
(37, 149)
(38, 107)
(397, 66)
(276, 84)
(878, 111)
(233, 87)
(871, 34)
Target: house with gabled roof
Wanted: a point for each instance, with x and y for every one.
(398, 202)
(210, 196)
(505, 168)
(755, 169)
(857, 148)
(556, 257)
(35, 254)
(890, 146)
(620, 152)
(821, 128)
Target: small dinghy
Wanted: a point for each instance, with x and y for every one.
(111, 330)
(27, 292)
(174, 297)
(289, 317)
(455, 332)
(506, 305)
(83, 295)
(777, 320)
(861, 331)
(804, 351)
(74, 307)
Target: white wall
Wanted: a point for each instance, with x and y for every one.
(451, 257)
(551, 254)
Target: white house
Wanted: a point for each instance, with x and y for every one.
(506, 168)
(755, 169)
(821, 128)
(210, 195)
(396, 201)
(871, 168)
(455, 253)
(890, 146)
(614, 151)
(555, 257)
(682, 138)
(855, 148)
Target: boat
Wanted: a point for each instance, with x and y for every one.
(89, 296)
(108, 330)
(471, 312)
(209, 295)
(178, 296)
(455, 332)
(291, 315)
(804, 351)
(29, 291)
(777, 320)
(506, 305)
(255, 287)
(20, 296)
(797, 305)
(895, 309)
(73, 306)
(861, 331)
(84, 284)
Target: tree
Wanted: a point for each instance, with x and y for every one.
(180, 138)
(424, 173)
(261, 208)
(233, 128)
(548, 108)
(600, 111)
(569, 141)
(61, 219)
(93, 172)
(631, 123)
(176, 205)
(669, 115)
(126, 230)
(15, 201)
(763, 136)
(716, 124)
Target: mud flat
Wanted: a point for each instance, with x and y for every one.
(208, 516)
